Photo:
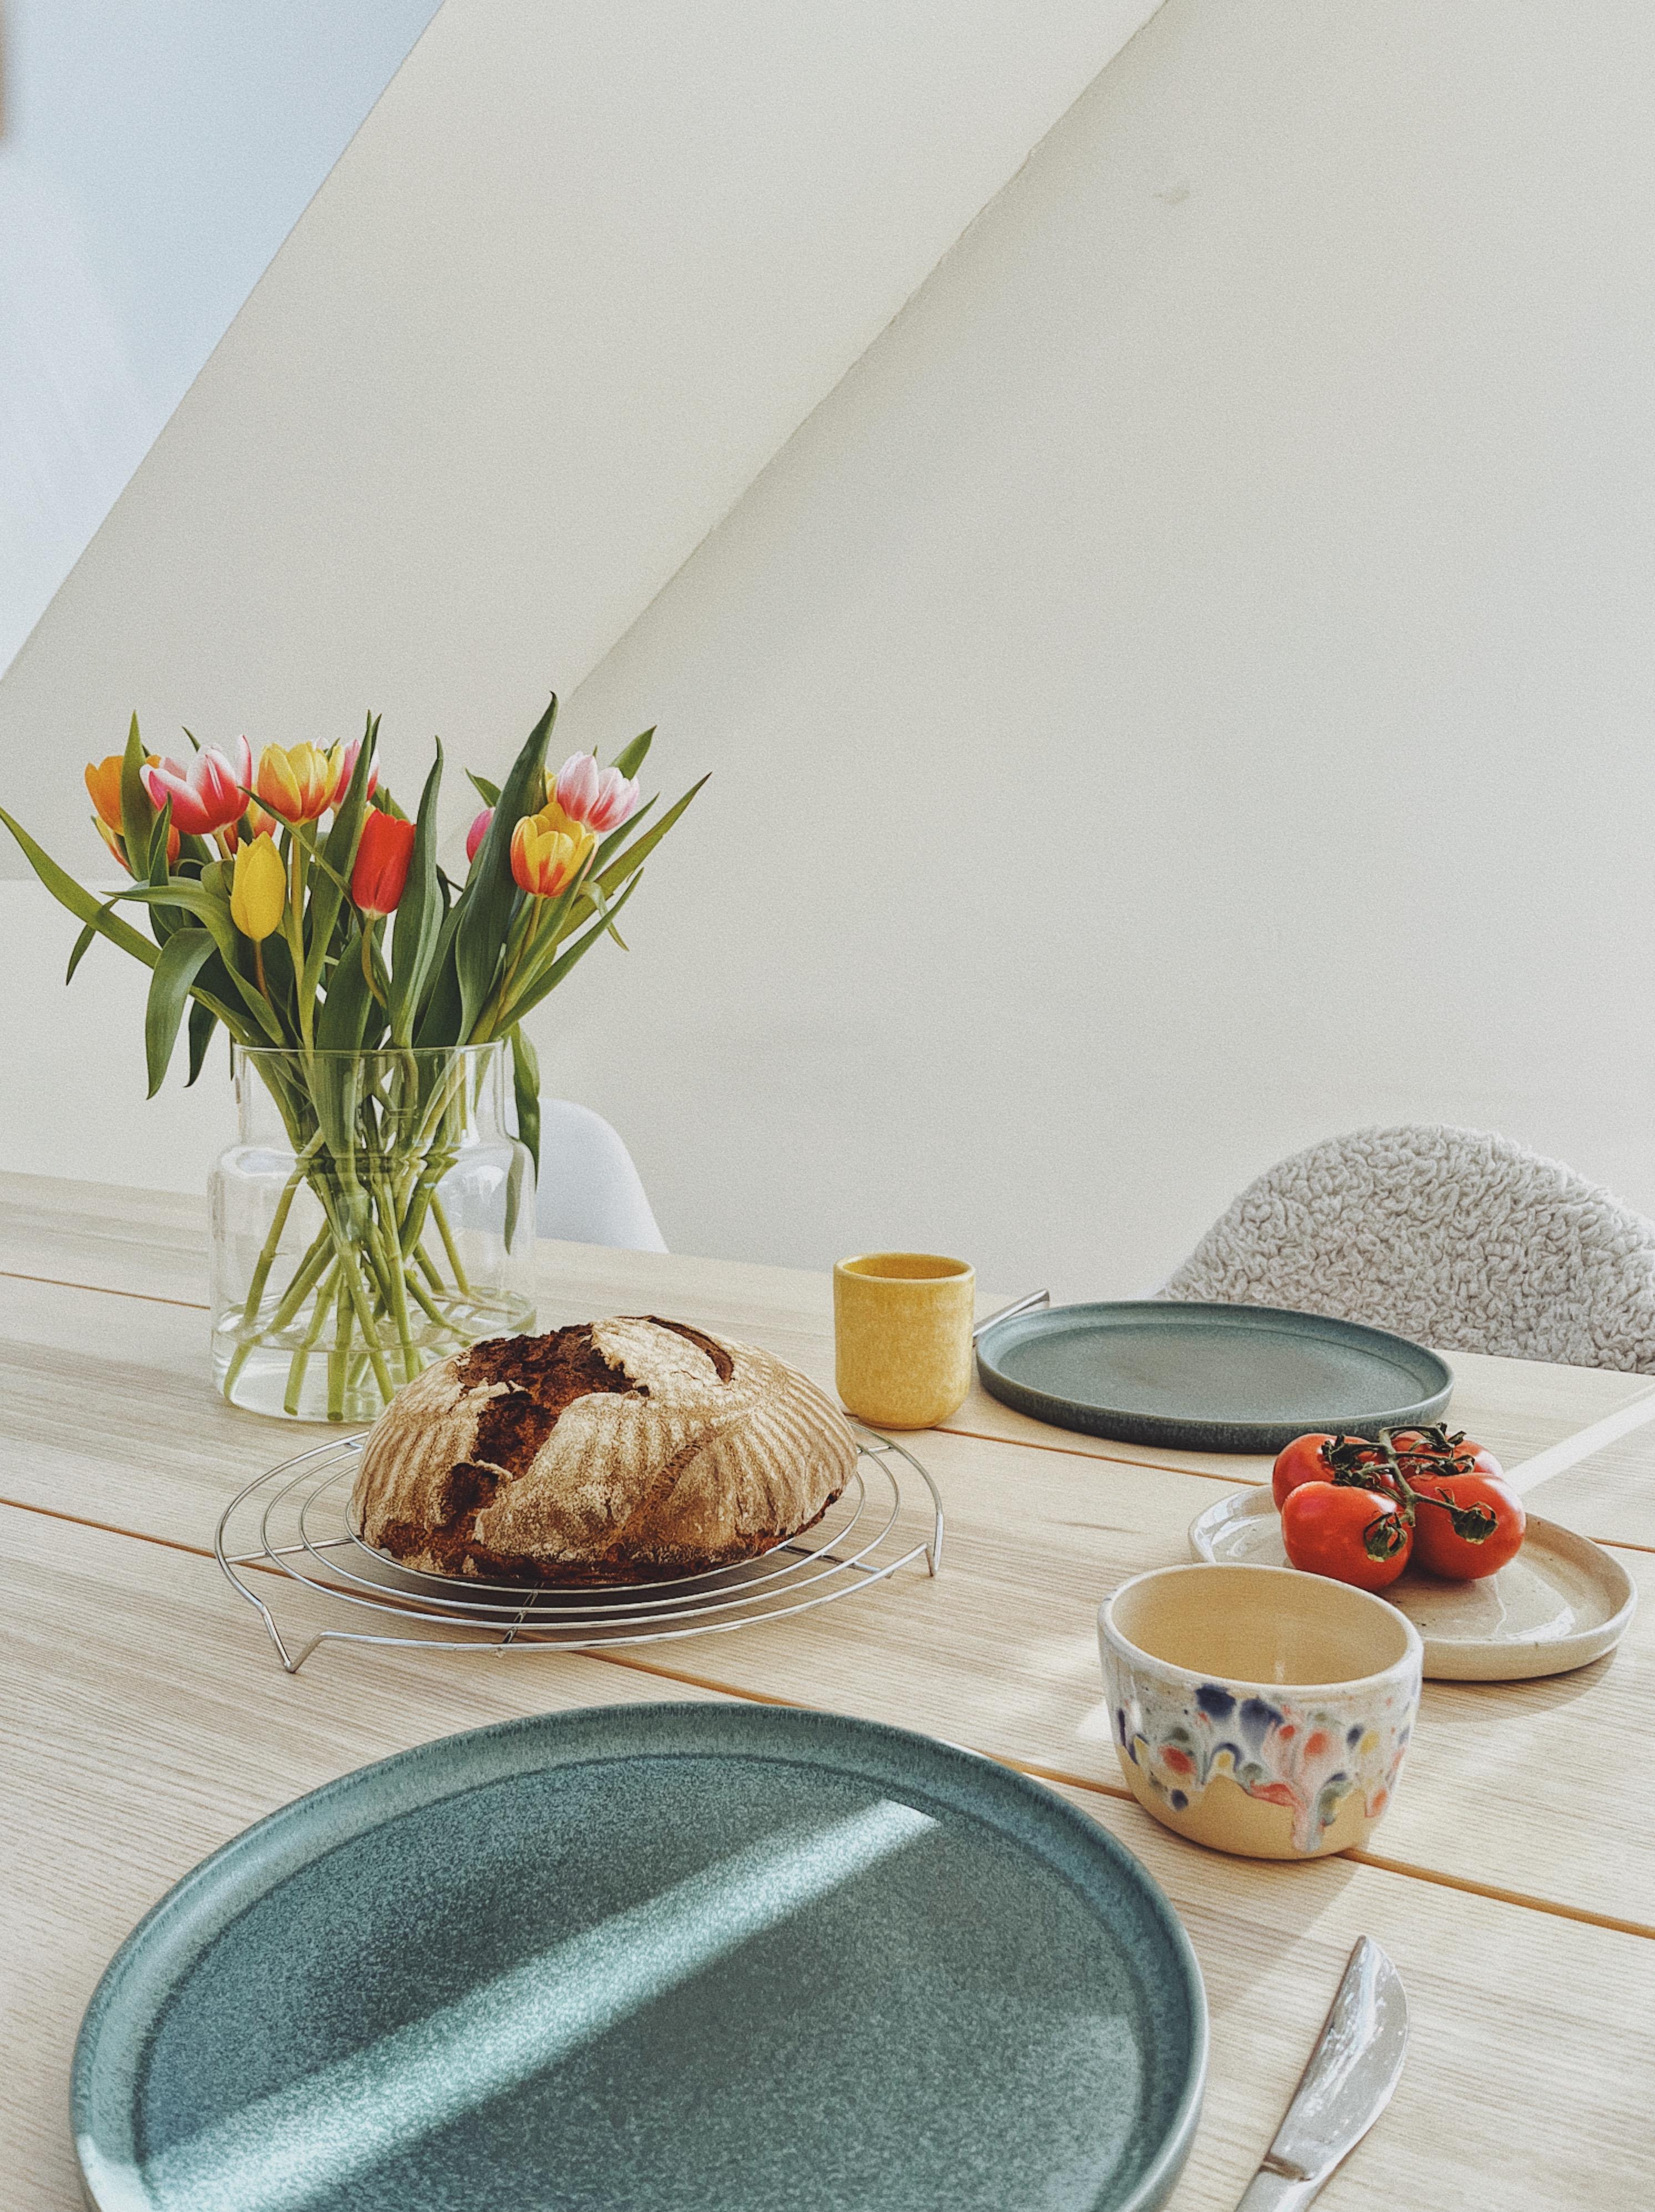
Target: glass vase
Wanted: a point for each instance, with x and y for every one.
(374, 1215)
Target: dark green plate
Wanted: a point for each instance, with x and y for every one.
(1208, 1378)
(709, 1958)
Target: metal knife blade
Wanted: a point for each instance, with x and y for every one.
(1346, 2084)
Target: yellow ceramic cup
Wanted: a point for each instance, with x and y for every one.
(902, 1337)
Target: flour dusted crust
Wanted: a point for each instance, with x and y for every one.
(624, 1450)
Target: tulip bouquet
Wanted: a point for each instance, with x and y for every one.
(291, 900)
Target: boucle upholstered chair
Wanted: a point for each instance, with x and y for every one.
(1456, 1237)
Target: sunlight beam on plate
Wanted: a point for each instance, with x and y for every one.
(283, 2151)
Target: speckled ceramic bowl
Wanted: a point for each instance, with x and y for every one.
(1258, 1709)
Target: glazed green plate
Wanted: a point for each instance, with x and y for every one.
(1208, 1377)
(708, 1958)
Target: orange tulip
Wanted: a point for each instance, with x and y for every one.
(109, 837)
(103, 780)
(548, 852)
(295, 781)
(174, 842)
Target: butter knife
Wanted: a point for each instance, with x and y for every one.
(1347, 2083)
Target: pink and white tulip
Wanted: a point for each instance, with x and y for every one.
(601, 798)
(477, 832)
(342, 759)
(208, 792)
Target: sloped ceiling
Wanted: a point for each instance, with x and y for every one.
(577, 278)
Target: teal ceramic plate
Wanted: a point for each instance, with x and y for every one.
(663, 1958)
(1208, 1378)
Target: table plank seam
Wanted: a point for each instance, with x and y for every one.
(1090, 1784)
(1108, 1459)
(1405, 1870)
(104, 1290)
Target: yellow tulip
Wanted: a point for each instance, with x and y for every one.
(258, 890)
(295, 781)
(549, 851)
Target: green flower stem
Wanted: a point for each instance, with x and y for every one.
(339, 1357)
(365, 1322)
(301, 1282)
(447, 1233)
(326, 1297)
(384, 1226)
(283, 1206)
(424, 1296)
(297, 1289)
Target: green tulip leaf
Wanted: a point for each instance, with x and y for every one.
(631, 758)
(203, 1022)
(419, 916)
(80, 902)
(137, 815)
(525, 1083)
(490, 900)
(182, 956)
(526, 1000)
(343, 1018)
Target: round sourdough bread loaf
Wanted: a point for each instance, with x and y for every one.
(625, 1450)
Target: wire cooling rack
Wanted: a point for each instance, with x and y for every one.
(286, 1540)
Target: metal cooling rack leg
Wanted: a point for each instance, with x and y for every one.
(884, 1444)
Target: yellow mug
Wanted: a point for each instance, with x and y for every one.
(902, 1325)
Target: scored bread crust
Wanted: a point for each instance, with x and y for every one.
(624, 1450)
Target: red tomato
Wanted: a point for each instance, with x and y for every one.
(1411, 1444)
(1302, 1461)
(1467, 1553)
(1356, 1536)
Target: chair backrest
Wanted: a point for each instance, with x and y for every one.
(589, 1191)
(1456, 1237)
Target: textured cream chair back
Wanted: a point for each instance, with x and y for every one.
(589, 1190)
(1456, 1237)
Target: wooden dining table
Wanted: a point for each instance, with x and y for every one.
(147, 1719)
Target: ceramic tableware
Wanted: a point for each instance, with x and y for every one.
(902, 1337)
(1562, 1602)
(1259, 1709)
(662, 1957)
(1208, 1377)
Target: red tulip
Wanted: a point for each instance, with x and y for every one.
(477, 832)
(382, 859)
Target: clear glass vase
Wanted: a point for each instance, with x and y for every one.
(375, 1215)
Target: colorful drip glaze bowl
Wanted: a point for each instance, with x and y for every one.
(1259, 1709)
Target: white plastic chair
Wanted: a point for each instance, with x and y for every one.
(1456, 1237)
(589, 1192)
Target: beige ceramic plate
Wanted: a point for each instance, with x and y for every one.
(1560, 1603)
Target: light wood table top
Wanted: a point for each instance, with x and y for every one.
(143, 1718)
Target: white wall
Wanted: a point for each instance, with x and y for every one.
(579, 274)
(1187, 691)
